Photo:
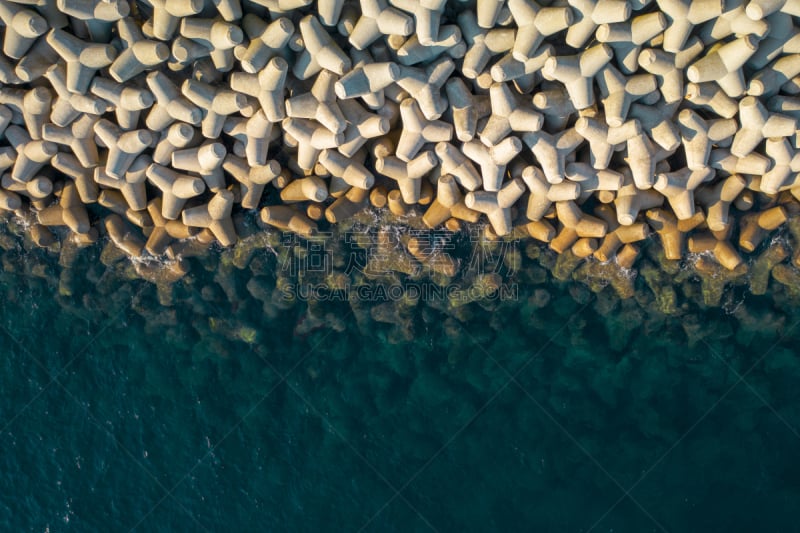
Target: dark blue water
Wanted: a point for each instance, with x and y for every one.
(558, 409)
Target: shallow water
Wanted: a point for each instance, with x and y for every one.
(555, 409)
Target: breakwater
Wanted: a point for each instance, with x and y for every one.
(584, 127)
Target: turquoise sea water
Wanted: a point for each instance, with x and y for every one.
(556, 409)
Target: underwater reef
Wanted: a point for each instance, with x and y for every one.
(387, 274)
